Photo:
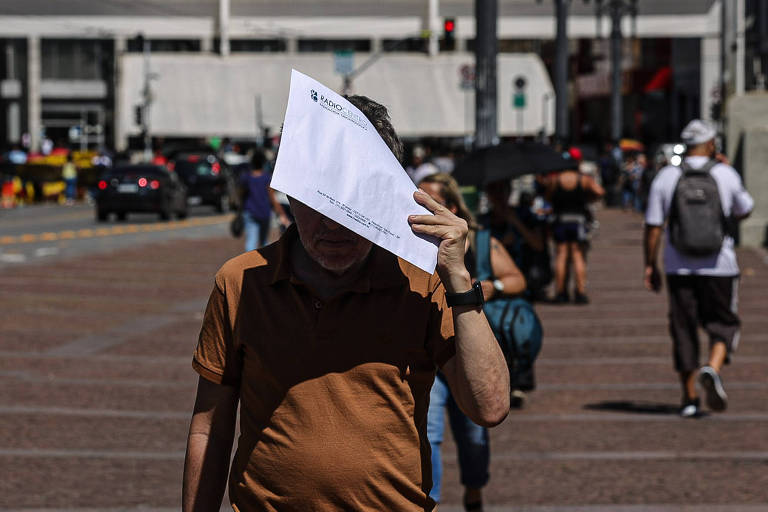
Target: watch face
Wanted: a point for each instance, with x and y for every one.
(498, 285)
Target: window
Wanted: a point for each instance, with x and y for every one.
(334, 45)
(75, 59)
(164, 45)
(512, 45)
(252, 45)
(411, 44)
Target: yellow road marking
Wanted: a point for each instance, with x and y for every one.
(113, 230)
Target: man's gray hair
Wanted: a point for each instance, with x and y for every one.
(379, 117)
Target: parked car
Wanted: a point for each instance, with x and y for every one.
(140, 188)
(209, 181)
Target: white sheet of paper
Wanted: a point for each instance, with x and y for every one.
(332, 159)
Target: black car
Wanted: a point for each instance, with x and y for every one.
(208, 180)
(140, 188)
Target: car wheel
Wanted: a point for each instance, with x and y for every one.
(102, 215)
(182, 214)
(164, 214)
(121, 216)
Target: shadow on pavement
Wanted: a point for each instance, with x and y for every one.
(634, 407)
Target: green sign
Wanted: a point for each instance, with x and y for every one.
(518, 100)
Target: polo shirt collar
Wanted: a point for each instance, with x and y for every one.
(382, 270)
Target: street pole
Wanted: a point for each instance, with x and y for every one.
(616, 104)
(224, 27)
(561, 72)
(430, 26)
(147, 94)
(486, 14)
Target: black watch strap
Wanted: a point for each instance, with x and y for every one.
(473, 297)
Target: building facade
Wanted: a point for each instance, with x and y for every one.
(74, 71)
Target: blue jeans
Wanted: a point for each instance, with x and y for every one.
(471, 440)
(71, 191)
(256, 231)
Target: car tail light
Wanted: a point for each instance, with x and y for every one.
(154, 184)
(193, 158)
(142, 182)
(171, 166)
(216, 168)
(102, 185)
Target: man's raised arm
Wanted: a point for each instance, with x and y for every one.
(477, 374)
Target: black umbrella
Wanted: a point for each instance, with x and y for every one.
(509, 160)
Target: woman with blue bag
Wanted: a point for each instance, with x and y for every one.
(487, 262)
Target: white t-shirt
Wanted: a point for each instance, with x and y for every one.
(735, 201)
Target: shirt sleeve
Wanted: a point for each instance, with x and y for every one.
(217, 357)
(441, 342)
(742, 201)
(654, 213)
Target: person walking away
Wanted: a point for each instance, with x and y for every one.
(570, 192)
(631, 176)
(700, 202)
(258, 200)
(471, 439)
(69, 175)
(330, 345)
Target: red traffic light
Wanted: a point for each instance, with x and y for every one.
(449, 25)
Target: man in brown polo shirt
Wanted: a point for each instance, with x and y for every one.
(330, 345)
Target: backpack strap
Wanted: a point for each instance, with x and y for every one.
(483, 255)
(705, 169)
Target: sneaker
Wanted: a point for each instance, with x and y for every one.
(516, 399)
(561, 298)
(690, 408)
(580, 298)
(717, 400)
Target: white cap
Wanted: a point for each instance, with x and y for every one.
(698, 132)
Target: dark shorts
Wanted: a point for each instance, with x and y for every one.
(569, 232)
(706, 301)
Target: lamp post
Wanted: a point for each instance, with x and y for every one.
(561, 71)
(486, 97)
(616, 10)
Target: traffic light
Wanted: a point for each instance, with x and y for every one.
(449, 34)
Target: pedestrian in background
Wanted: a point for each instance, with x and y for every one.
(570, 193)
(471, 439)
(330, 346)
(700, 203)
(521, 232)
(69, 175)
(258, 201)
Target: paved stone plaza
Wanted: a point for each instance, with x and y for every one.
(96, 390)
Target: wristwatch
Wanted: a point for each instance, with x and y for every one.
(498, 286)
(473, 297)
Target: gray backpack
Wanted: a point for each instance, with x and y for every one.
(697, 224)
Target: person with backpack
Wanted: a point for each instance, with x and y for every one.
(700, 202)
(487, 261)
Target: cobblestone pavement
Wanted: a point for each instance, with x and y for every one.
(96, 390)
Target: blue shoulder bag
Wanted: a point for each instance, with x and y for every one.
(513, 320)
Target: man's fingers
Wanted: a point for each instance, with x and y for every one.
(427, 219)
(427, 202)
(442, 231)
